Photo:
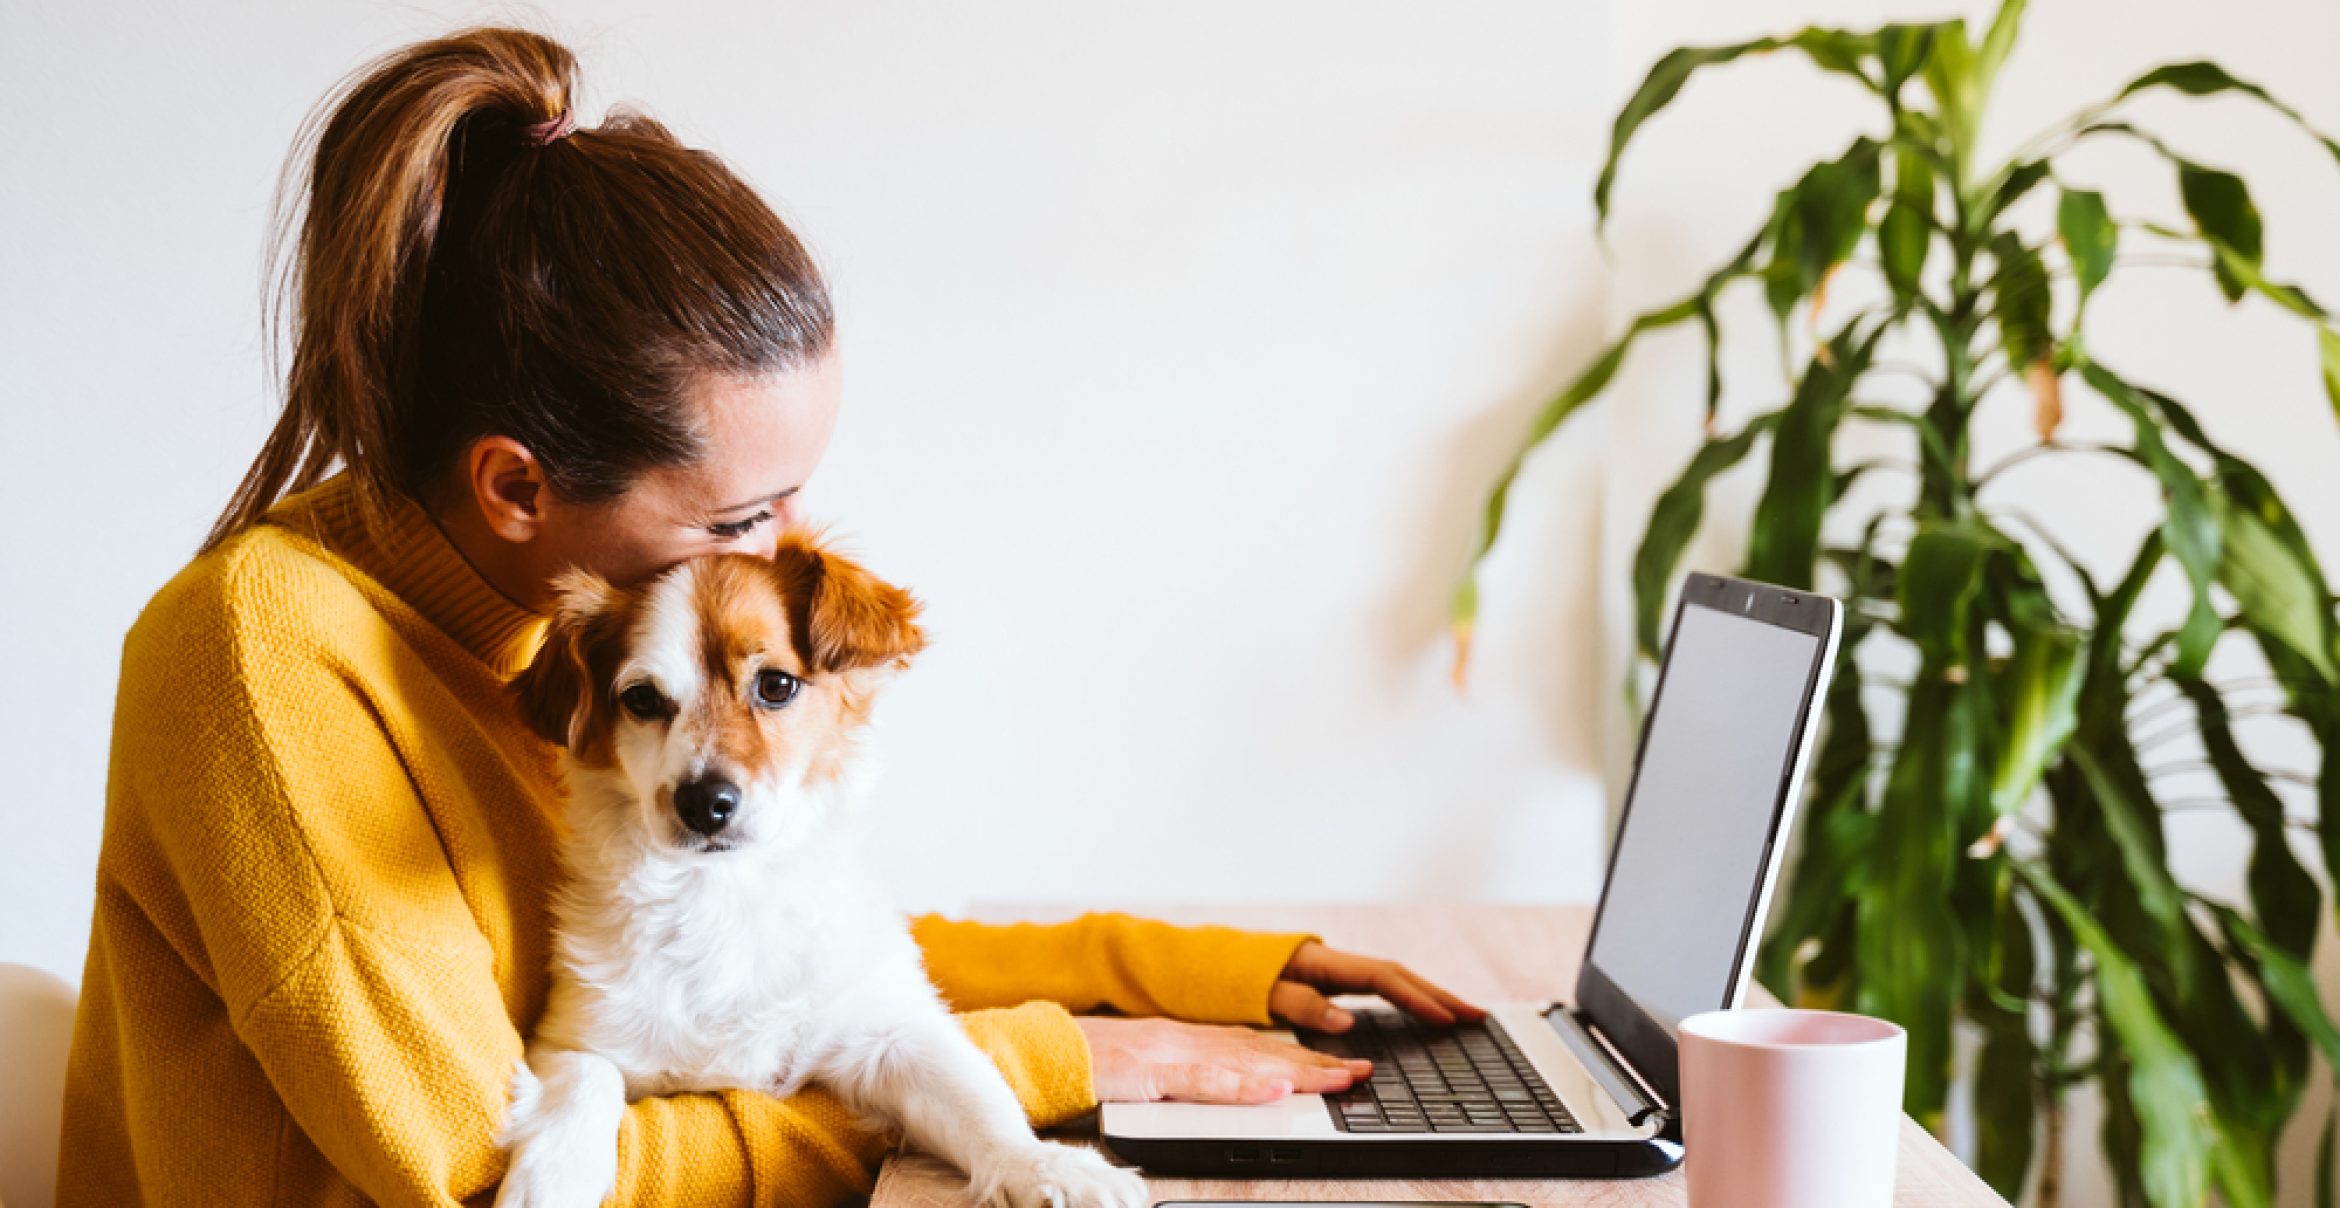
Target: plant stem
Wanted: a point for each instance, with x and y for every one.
(2051, 1153)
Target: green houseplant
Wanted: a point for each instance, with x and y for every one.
(2004, 863)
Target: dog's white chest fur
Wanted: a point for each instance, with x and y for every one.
(691, 972)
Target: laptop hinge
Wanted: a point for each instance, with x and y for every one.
(1616, 1075)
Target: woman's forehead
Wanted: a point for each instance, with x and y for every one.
(763, 436)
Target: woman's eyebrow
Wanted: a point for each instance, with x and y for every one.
(775, 497)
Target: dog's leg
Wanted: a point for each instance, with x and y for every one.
(920, 1072)
(562, 1130)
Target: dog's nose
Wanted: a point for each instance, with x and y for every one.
(707, 804)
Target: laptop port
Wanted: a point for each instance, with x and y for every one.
(1243, 1153)
(1284, 1153)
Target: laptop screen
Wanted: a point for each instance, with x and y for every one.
(1693, 853)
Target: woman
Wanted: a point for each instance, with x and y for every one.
(321, 931)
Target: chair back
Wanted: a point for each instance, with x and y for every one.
(36, 1028)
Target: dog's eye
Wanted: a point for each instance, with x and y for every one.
(643, 702)
(776, 688)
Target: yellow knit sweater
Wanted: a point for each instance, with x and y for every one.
(322, 935)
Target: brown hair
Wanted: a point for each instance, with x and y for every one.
(463, 269)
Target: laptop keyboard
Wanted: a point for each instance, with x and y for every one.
(1468, 1078)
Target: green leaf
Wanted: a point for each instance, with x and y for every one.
(1674, 520)
(2286, 979)
(1997, 41)
(2190, 528)
(1907, 232)
(2220, 205)
(2204, 79)
(1464, 607)
(1833, 50)
(1784, 545)
(2090, 238)
(2284, 896)
(1713, 332)
(1901, 51)
(2292, 996)
(2021, 288)
(1826, 879)
(2324, 1158)
(2008, 1067)
(2328, 344)
(2226, 221)
(2312, 701)
(1818, 222)
(1548, 419)
(2164, 1084)
(2042, 682)
(2020, 179)
(1950, 74)
(1907, 942)
(2274, 590)
(2142, 912)
(2289, 906)
(2288, 600)
(2135, 827)
(2232, 265)
(2124, 1141)
(1941, 576)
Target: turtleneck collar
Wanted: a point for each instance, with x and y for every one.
(407, 553)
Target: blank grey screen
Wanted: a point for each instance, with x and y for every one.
(1692, 851)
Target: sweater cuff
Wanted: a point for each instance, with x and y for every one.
(1043, 1055)
(1245, 968)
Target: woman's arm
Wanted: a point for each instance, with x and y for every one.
(1206, 974)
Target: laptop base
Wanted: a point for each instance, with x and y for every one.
(1400, 1157)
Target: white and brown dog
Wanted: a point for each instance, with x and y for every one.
(719, 928)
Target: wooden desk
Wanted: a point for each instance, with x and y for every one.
(1484, 953)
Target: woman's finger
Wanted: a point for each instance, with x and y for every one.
(1261, 1051)
(1430, 1002)
(1406, 991)
(1300, 1055)
(1203, 1082)
(1303, 1006)
(1447, 998)
(1333, 970)
(1308, 1069)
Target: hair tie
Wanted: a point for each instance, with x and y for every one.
(544, 133)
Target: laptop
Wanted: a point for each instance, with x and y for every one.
(1586, 1088)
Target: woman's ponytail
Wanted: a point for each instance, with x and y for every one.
(464, 266)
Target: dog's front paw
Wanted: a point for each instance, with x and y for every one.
(1048, 1175)
(542, 1178)
(552, 1166)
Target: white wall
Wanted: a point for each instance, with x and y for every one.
(1181, 340)
(1178, 347)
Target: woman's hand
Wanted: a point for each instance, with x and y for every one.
(1315, 971)
(1142, 1060)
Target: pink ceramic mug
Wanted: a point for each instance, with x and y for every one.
(1790, 1109)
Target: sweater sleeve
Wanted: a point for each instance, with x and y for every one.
(1208, 974)
(321, 909)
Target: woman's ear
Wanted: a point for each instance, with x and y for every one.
(559, 693)
(508, 486)
(843, 616)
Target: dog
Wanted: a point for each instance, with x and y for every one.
(717, 928)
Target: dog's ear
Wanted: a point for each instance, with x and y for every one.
(844, 617)
(559, 692)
